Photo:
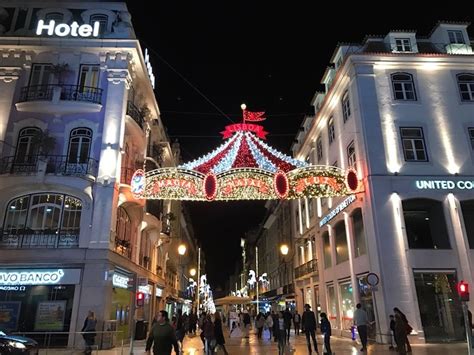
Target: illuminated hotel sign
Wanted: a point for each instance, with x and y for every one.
(63, 29)
(337, 210)
(444, 185)
(31, 277)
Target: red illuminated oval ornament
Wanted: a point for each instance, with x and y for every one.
(352, 182)
(210, 186)
(280, 184)
(138, 183)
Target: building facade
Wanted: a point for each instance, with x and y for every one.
(78, 118)
(399, 110)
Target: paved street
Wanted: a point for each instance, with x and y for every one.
(236, 346)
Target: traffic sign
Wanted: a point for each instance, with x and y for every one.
(372, 279)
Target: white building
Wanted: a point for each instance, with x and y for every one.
(400, 110)
(78, 116)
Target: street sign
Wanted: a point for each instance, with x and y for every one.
(372, 279)
(142, 281)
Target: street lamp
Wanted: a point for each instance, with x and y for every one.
(284, 249)
(182, 249)
(192, 272)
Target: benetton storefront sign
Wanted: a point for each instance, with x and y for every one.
(444, 185)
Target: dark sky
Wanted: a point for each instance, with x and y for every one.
(272, 59)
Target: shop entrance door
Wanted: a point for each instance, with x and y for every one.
(440, 309)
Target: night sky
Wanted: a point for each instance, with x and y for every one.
(272, 59)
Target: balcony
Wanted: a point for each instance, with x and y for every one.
(307, 268)
(60, 99)
(44, 239)
(123, 247)
(135, 113)
(126, 174)
(50, 164)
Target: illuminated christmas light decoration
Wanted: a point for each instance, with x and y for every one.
(244, 167)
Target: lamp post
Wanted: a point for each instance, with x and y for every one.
(198, 281)
(256, 271)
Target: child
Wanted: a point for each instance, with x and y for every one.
(326, 330)
(392, 330)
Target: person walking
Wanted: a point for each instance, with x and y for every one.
(297, 322)
(209, 336)
(246, 321)
(275, 317)
(361, 321)
(308, 322)
(180, 329)
(269, 324)
(400, 334)
(326, 330)
(281, 333)
(192, 323)
(259, 323)
(218, 333)
(162, 337)
(89, 332)
(408, 327)
(287, 316)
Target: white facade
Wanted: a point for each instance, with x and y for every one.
(403, 116)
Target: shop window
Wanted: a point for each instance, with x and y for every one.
(467, 208)
(359, 233)
(425, 224)
(332, 306)
(327, 250)
(342, 252)
(347, 305)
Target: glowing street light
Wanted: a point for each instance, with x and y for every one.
(192, 272)
(182, 249)
(284, 249)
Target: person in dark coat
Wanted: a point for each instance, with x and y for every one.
(326, 330)
(408, 326)
(308, 322)
(288, 317)
(162, 336)
(400, 334)
(218, 333)
(209, 336)
(89, 331)
(180, 329)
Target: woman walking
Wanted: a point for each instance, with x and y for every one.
(89, 332)
(218, 333)
(408, 328)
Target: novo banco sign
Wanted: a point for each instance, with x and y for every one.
(444, 185)
(63, 29)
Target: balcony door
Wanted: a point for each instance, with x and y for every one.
(26, 149)
(41, 78)
(89, 81)
(79, 150)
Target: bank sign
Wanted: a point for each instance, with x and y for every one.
(444, 185)
(64, 30)
(35, 277)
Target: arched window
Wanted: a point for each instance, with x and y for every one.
(425, 224)
(145, 251)
(26, 147)
(359, 233)
(102, 19)
(403, 87)
(326, 250)
(342, 251)
(123, 237)
(56, 16)
(80, 141)
(466, 86)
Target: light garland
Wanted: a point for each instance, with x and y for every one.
(262, 161)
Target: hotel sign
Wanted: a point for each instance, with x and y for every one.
(339, 208)
(64, 30)
(444, 185)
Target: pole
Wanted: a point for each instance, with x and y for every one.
(133, 311)
(379, 329)
(256, 271)
(468, 327)
(198, 281)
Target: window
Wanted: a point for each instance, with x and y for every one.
(331, 130)
(359, 233)
(413, 144)
(347, 304)
(471, 136)
(425, 224)
(26, 146)
(41, 74)
(319, 149)
(342, 251)
(123, 231)
(79, 145)
(351, 156)
(102, 19)
(43, 212)
(89, 77)
(467, 208)
(466, 86)
(326, 250)
(346, 107)
(403, 44)
(403, 87)
(456, 37)
(56, 16)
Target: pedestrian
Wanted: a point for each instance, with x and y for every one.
(400, 333)
(361, 321)
(326, 330)
(209, 336)
(393, 339)
(89, 332)
(297, 322)
(308, 323)
(287, 316)
(281, 333)
(162, 336)
(275, 318)
(269, 324)
(246, 321)
(409, 329)
(192, 323)
(218, 333)
(201, 322)
(180, 329)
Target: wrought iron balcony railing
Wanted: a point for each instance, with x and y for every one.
(135, 113)
(55, 164)
(67, 93)
(39, 239)
(307, 268)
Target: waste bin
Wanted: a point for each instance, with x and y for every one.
(140, 330)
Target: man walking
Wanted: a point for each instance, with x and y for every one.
(309, 327)
(361, 321)
(162, 337)
(287, 317)
(297, 322)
